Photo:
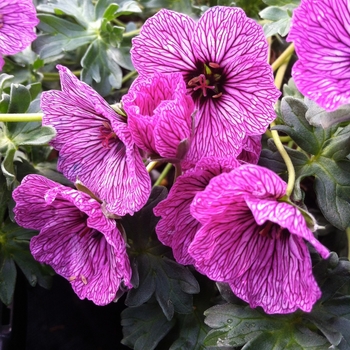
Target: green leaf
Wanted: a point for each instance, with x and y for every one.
(281, 2)
(99, 71)
(236, 325)
(14, 241)
(192, 332)
(290, 89)
(110, 12)
(273, 13)
(144, 326)
(318, 116)
(61, 36)
(8, 276)
(171, 284)
(20, 99)
(82, 10)
(128, 7)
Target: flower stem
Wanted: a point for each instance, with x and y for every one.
(53, 76)
(128, 76)
(21, 117)
(163, 174)
(286, 54)
(131, 34)
(290, 168)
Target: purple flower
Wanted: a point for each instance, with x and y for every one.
(160, 115)
(223, 59)
(255, 240)
(251, 149)
(17, 22)
(177, 227)
(75, 238)
(95, 145)
(320, 31)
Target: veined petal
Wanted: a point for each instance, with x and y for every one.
(251, 149)
(223, 34)
(280, 279)
(18, 19)
(30, 198)
(177, 227)
(218, 129)
(244, 74)
(321, 33)
(225, 247)
(286, 216)
(164, 44)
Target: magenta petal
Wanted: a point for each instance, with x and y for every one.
(280, 279)
(224, 34)
(251, 149)
(18, 18)
(177, 227)
(93, 139)
(320, 31)
(286, 216)
(30, 198)
(222, 251)
(164, 42)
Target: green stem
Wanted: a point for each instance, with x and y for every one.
(131, 34)
(128, 76)
(52, 76)
(151, 166)
(163, 175)
(21, 117)
(286, 54)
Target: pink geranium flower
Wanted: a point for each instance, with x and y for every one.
(254, 240)
(177, 227)
(223, 60)
(160, 115)
(75, 238)
(95, 145)
(320, 31)
(17, 22)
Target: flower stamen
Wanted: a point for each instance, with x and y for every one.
(202, 84)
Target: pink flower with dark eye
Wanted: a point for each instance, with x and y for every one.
(160, 115)
(255, 240)
(320, 31)
(223, 60)
(17, 22)
(95, 145)
(75, 238)
(177, 227)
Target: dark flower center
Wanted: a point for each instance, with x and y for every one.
(206, 82)
(107, 134)
(1, 20)
(274, 231)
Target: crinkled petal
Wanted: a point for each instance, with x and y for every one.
(321, 33)
(231, 188)
(177, 227)
(82, 120)
(224, 34)
(18, 19)
(251, 149)
(280, 279)
(223, 248)
(286, 216)
(32, 209)
(174, 127)
(164, 44)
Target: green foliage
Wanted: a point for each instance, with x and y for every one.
(322, 156)
(278, 16)
(239, 325)
(14, 250)
(69, 25)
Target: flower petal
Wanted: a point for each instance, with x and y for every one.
(321, 33)
(225, 33)
(164, 44)
(280, 279)
(286, 216)
(18, 19)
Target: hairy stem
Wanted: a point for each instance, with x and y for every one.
(163, 175)
(286, 55)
